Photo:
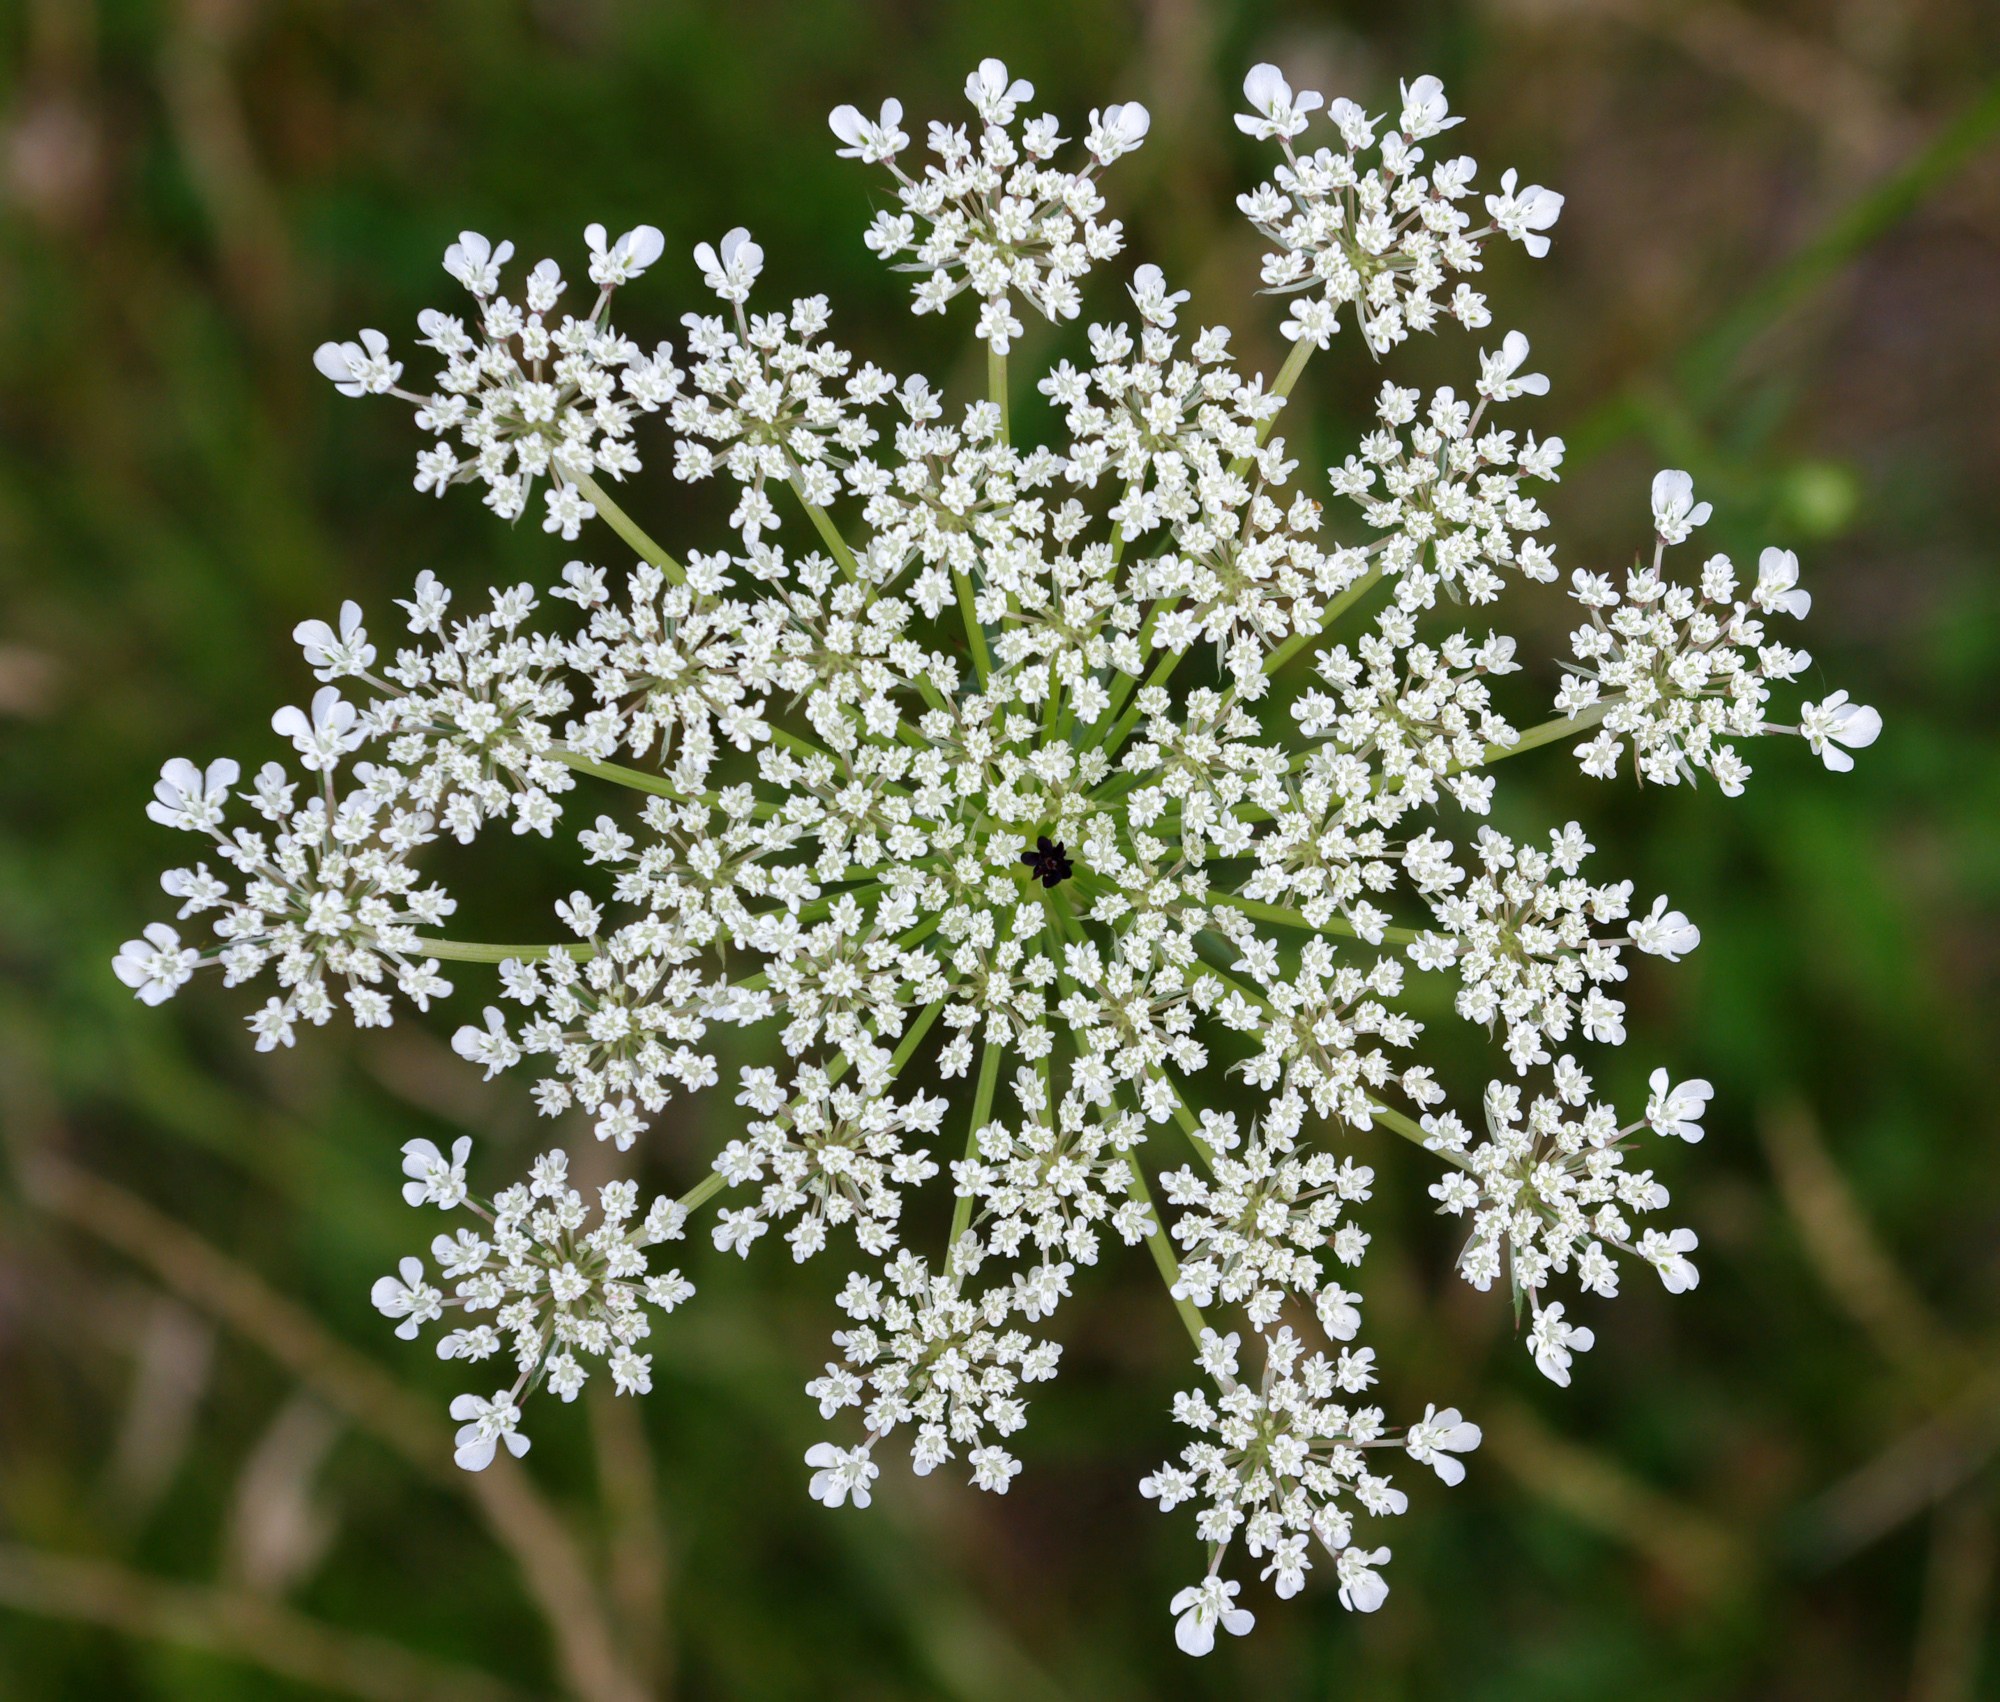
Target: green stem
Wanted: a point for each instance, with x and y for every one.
(1118, 537)
(1125, 684)
(982, 1108)
(844, 555)
(1288, 375)
(635, 779)
(1163, 1255)
(805, 747)
(996, 387)
(1549, 732)
(823, 524)
(629, 529)
(914, 1038)
(1130, 719)
(702, 1192)
(1331, 613)
(975, 634)
(1189, 1122)
(1292, 918)
(473, 951)
(818, 909)
(1411, 1131)
(1229, 982)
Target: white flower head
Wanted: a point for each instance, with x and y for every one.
(1664, 933)
(157, 966)
(1279, 113)
(947, 684)
(1362, 1588)
(1118, 132)
(730, 273)
(1204, 1606)
(1677, 1110)
(993, 95)
(1524, 216)
(434, 1178)
(1148, 290)
(332, 730)
(333, 655)
(492, 1045)
(626, 258)
(1497, 371)
(190, 798)
(876, 142)
(1436, 1440)
(476, 263)
(1356, 128)
(1552, 1340)
(1667, 1253)
(1675, 511)
(1834, 723)
(619, 1123)
(408, 1297)
(359, 369)
(841, 1473)
(1426, 112)
(1778, 585)
(483, 1424)
(567, 511)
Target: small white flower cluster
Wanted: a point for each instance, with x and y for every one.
(1450, 501)
(940, 1362)
(330, 896)
(1048, 1182)
(556, 1288)
(834, 1151)
(1522, 943)
(1256, 1222)
(996, 219)
(468, 721)
(762, 400)
(1408, 717)
(527, 399)
(1677, 669)
(1283, 1454)
(1383, 238)
(1550, 1186)
(1074, 770)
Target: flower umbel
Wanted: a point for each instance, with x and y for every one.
(1072, 778)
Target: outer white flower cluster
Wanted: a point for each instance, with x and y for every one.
(1078, 775)
(1522, 944)
(527, 399)
(1677, 668)
(555, 1289)
(331, 896)
(996, 219)
(1282, 1455)
(1551, 1187)
(1380, 239)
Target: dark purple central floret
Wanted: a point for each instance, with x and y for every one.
(1048, 862)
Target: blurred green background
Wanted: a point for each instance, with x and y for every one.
(1779, 267)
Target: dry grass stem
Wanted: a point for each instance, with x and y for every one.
(1707, 1561)
(636, 1552)
(1958, 1591)
(235, 1624)
(551, 1563)
(1848, 1258)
